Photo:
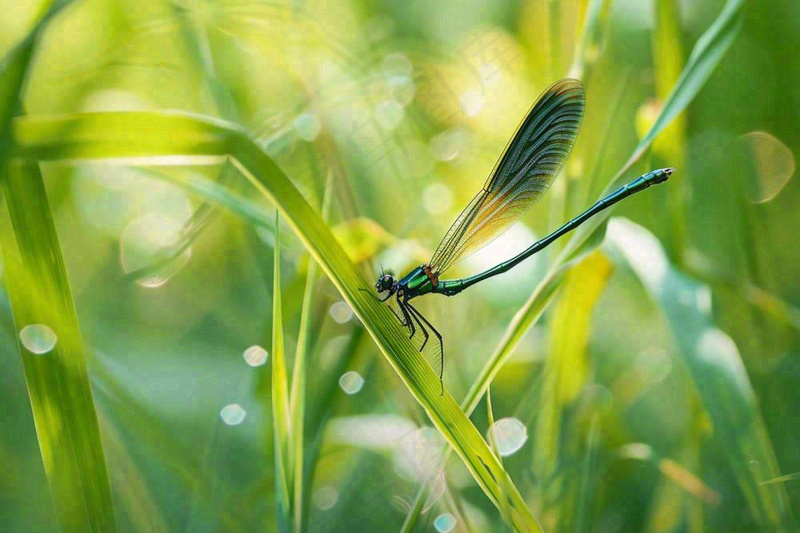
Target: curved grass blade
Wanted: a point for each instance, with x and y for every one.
(149, 136)
(716, 368)
(530, 162)
(590, 36)
(706, 55)
(43, 309)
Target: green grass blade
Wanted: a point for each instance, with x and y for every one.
(414, 370)
(584, 493)
(669, 148)
(596, 12)
(53, 355)
(297, 397)
(504, 510)
(280, 403)
(706, 55)
(148, 136)
(587, 236)
(718, 373)
(782, 479)
(567, 367)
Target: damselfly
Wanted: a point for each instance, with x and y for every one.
(529, 164)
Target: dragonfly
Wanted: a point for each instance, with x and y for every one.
(531, 161)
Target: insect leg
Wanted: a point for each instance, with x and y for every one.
(399, 319)
(409, 322)
(421, 327)
(375, 297)
(413, 310)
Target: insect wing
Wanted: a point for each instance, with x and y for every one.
(530, 162)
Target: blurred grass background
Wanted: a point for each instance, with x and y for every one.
(655, 394)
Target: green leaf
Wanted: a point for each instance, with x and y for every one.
(567, 366)
(280, 403)
(715, 366)
(53, 355)
(147, 136)
(49, 337)
(297, 402)
(706, 55)
(591, 34)
(782, 479)
(669, 148)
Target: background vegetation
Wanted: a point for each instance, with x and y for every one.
(194, 191)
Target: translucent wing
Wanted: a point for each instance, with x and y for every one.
(531, 161)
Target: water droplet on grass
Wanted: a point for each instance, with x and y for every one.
(38, 338)
(510, 435)
(351, 382)
(255, 355)
(233, 414)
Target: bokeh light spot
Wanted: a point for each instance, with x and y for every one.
(449, 144)
(389, 114)
(325, 498)
(233, 414)
(341, 312)
(444, 523)
(255, 355)
(437, 198)
(471, 103)
(773, 165)
(307, 126)
(351, 382)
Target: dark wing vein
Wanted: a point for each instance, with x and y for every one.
(530, 162)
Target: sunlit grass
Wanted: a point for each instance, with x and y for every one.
(353, 142)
